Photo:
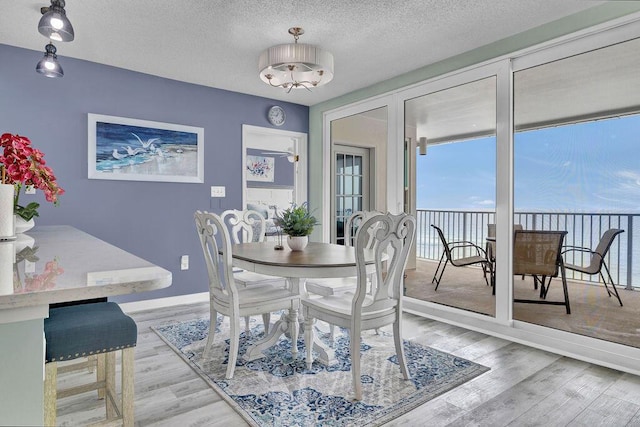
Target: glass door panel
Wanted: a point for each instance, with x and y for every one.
(452, 133)
(576, 171)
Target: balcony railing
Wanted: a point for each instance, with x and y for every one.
(584, 230)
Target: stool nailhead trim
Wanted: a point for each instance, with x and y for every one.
(84, 354)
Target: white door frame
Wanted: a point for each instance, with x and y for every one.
(300, 150)
(394, 175)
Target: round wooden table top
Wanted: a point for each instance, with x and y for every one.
(316, 260)
(314, 255)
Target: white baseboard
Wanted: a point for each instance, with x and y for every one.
(132, 307)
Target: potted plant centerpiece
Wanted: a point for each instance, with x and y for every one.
(297, 223)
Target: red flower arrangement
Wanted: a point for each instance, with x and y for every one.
(24, 165)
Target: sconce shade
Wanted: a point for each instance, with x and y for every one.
(49, 65)
(422, 146)
(54, 23)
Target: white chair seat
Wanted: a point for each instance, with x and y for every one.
(332, 286)
(249, 278)
(341, 305)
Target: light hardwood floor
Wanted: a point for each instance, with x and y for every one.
(525, 386)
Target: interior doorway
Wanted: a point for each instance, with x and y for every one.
(274, 169)
(352, 182)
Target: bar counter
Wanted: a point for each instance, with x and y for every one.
(53, 264)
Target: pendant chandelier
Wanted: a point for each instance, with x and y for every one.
(296, 65)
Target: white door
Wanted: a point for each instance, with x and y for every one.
(351, 184)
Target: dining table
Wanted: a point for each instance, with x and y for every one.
(50, 265)
(316, 260)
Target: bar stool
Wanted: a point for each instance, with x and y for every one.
(81, 331)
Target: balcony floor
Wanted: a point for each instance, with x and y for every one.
(593, 313)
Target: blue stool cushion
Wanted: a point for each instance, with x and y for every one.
(82, 330)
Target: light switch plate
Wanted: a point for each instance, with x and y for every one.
(218, 191)
(184, 262)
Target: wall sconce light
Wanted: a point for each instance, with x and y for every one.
(422, 145)
(49, 65)
(54, 23)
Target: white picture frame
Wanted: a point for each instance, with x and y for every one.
(142, 150)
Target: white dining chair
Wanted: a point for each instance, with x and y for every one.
(359, 310)
(333, 286)
(249, 226)
(225, 297)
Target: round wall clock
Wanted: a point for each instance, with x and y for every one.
(276, 115)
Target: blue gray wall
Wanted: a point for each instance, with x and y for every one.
(153, 220)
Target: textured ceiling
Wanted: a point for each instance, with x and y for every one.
(217, 43)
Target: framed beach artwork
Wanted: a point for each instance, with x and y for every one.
(142, 150)
(260, 168)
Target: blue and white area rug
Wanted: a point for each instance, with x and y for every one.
(279, 391)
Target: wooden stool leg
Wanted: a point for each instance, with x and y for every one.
(100, 373)
(127, 386)
(110, 377)
(50, 394)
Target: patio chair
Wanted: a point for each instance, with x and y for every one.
(448, 258)
(539, 254)
(249, 226)
(491, 248)
(359, 311)
(225, 297)
(597, 260)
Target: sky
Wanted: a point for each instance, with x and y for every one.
(586, 167)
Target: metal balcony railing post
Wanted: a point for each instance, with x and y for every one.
(629, 253)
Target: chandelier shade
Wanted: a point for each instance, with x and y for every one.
(296, 65)
(54, 23)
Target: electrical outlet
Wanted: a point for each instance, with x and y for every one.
(29, 189)
(184, 262)
(217, 191)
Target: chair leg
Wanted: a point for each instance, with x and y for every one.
(397, 338)
(332, 330)
(128, 356)
(564, 287)
(234, 343)
(100, 371)
(441, 273)
(110, 378)
(354, 348)
(613, 285)
(247, 319)
(308, 339)
(213, 317)
(435, 274)
(50, 393)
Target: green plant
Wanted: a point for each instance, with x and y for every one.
(296, 220)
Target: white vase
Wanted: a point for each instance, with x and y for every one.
(297, 243)
(7, 220)
(22, 225)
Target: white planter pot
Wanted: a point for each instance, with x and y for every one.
(7, 221)
(297, 243)
(22, 225)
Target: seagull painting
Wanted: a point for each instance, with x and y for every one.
(132, 152)
(145, 145)
(117, 155)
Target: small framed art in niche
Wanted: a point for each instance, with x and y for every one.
(260, 168)
(142, 150)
